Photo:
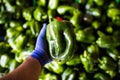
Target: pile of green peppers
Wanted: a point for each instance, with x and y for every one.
(84, 34)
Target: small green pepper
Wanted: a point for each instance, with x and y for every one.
(12, 64)
(82, 76)
(75, 60)
(99, 2)
(87, 62)
(34, 27)
(27, 13)
(76, 18)
(61, 39)
(96, 24)
(64, 8)
(39, 14)
(68, 74)
(107, 41)
(106, 63)
(113, 53)
(49, 76)
(111, 73)
(18, 42)
(53, 4)
(101, 76)
(93, 50)
(85, 35)
(41, 3)
(4, 60)
(112, 12)
(94, 12)
(55, 67)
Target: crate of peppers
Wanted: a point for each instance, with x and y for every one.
(83, 37)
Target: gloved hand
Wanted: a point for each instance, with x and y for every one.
(41, 52)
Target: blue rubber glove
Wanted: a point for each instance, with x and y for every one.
(41, 48)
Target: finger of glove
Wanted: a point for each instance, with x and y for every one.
(43, 31)
(41, 42)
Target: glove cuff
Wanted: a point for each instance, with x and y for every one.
(41, 57)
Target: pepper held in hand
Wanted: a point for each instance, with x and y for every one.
(61, 39)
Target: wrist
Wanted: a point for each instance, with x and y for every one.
(41, 56)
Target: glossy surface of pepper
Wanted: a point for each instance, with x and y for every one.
(61, 39)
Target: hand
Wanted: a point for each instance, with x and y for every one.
(41, 52)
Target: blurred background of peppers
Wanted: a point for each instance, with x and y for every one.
(96, 25)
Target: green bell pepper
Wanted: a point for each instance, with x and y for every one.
(12, 64)
(87, 62)
(111, 73)
(55, 67)
(75, 60)
(101, 76)
(99, 2)
(96, 24)
(94, 52)
(53, 4)
(65, 8)
(61, 40)
(27, 13)
(94, 12)
(107, 41)
(49, 76)
(76, 18)
(106, 63)
(18, 43)
(20, 56)
(39, 14)
(4, 60)
(85, 35)
(113, 53)
(34, 27)
(82, 76)
(41, 3)
(112, 12)
(68, 74)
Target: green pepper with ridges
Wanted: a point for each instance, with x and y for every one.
(75, 60)
(76, 18)
(107, 41)
(39, 14)
(111, 73)
(85, 35)
(55, 67)
(61, 39)
(106, 63)
(94, 52)
(87, 62)
(67, 73)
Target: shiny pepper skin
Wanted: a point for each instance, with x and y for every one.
(61, 39)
